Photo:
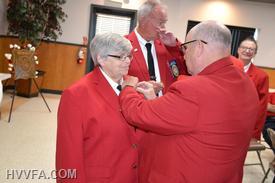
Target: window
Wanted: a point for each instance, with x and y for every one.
(113, 23)
(109, 19)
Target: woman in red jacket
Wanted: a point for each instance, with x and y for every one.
(93, 137)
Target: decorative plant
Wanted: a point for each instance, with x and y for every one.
(34, 20)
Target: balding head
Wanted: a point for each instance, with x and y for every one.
(213, 32)
(213, 42)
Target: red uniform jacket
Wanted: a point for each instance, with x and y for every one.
(238, 63)
(168, 58)
(271, 99)
(92, 135)
(260, 80)
(200, 130)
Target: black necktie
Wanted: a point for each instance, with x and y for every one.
(119, 87)
(150, 62)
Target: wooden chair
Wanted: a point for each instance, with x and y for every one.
(24, 68)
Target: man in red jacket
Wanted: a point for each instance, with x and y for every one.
(156, 53)
(246, 52)
(199, 130)
(270, 119)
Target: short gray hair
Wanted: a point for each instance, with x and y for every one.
(213, 31)
(108, 43)
(146, 8)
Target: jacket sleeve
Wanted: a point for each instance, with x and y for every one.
(69, 146)
(262, 89)
(161, 115)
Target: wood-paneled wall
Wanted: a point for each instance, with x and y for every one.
(271, 73)
(58, 60)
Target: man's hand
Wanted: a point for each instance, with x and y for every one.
(168, 38)
(158, 86)
(147, 89)
(129, 81)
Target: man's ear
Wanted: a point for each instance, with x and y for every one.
(199, 49)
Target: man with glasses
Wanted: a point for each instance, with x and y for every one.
(93, 138)
(246, 52)
(200, 130)
(156, 53)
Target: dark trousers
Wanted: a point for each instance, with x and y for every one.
(269, 123)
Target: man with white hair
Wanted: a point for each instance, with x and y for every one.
(156, 53)
(199, 130)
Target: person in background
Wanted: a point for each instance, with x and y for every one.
(270, 120)
(156, 52)
(199, 129)
(246, 52)
(93, 137)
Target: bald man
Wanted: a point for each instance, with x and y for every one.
(198, 131)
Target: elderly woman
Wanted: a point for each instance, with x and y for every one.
(93, 138)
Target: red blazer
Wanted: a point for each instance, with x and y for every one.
(238, 63)
(261, 82)
(165, 55)
(200, 130)
(271, 99)
(92, 135)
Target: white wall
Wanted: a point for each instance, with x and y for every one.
(238, 13)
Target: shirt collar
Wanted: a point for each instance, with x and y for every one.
(111, 82)
(141, 40)
(246, 67)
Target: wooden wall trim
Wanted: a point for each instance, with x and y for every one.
(58, 60)
(271, 73)
(46, 41)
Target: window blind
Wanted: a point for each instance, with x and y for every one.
(112, 23)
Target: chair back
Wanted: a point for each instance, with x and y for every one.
(24, 64)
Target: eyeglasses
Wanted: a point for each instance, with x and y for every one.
(122, 57)
(184, 47)
(247, 48)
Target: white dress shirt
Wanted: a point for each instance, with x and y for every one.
(142, 43)
(111, 82)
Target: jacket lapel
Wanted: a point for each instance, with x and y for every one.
(162, 60)
(251, 70)
(138, 57)
(105, 90)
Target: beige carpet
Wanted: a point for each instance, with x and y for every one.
(27, 143)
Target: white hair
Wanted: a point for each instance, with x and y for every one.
(108, 43)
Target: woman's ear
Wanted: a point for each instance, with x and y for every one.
(100, 60)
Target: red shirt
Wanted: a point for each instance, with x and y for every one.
(271, 99)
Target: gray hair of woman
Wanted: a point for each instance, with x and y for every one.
(109, 43)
